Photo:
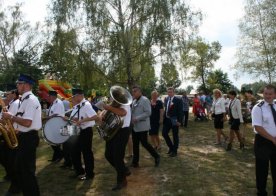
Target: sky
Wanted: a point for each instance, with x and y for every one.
(220, 23)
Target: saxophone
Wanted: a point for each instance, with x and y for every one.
(7, 129)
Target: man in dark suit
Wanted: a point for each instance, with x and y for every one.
(172, 120)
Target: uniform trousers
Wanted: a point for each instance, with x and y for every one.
(265, 152)
(3, 156)
(167, 126)
(83, 146)
(58, 154)
(67, 149)
(25, 164)
(115, 152)
(142, 137)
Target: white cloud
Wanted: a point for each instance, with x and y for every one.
(220, 23)
(33, 10)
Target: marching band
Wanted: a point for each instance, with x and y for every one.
(70, 133)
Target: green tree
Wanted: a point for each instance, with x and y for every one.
(189, 88)
(22, 62)
(199, 57)
(126, 37)
(15, 34)
(257, 43)
(169, 77)
(217, 79)
(256, 87)
(19, 46)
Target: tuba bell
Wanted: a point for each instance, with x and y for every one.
(7, 129)
(112, 122)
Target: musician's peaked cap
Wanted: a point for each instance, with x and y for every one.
(77, 91)
(52, 93)
(26, 78)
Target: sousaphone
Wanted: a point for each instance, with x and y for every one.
(111, 122)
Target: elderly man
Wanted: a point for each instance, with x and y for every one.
(141, 111)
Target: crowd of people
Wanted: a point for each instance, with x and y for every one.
(141, 117)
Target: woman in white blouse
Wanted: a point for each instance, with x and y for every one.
(219, 114)
(235, 120)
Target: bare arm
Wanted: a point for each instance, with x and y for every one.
(18, 120)
(118, 111)
(161, 115)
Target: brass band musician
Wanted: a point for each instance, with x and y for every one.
(27, 121)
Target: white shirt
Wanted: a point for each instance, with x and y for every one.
(218, 106)
(57, 108)
(85, 111)
(235, 107)
(66, 104)
(127, 117)
(29, 108)
(227, 101)
(13, 106)
(262, 116)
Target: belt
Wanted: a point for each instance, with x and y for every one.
(31, 132)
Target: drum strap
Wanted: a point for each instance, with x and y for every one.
(78, 111)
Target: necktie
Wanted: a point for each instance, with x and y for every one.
(273, 112)
(168, 107)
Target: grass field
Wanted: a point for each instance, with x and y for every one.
(199, 169)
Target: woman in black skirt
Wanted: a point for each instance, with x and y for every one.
(219, 115)
(155, 119)
(235, 120)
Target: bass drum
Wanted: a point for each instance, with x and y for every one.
(52, 131)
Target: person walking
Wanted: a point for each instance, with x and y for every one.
(219, 115)
(141, 111)
(172, 120)
(235, 119)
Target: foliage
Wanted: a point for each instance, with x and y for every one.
(124, 38)
(189, 88)
(22, 62)
(199, 57)
(169, 77)
(257, 43)
(19, 46)
(256, 87)
(217, 80)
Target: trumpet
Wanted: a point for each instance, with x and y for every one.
(7, 129)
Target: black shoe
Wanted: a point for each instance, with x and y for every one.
(229, 147)
(127, 172)
(86, 177)
(57, 160)
(135, 165)
(119, 186)
(65, 166)
(173, 154)
(157, 161)
(169, 152)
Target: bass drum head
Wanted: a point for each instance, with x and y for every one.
(51, 131)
